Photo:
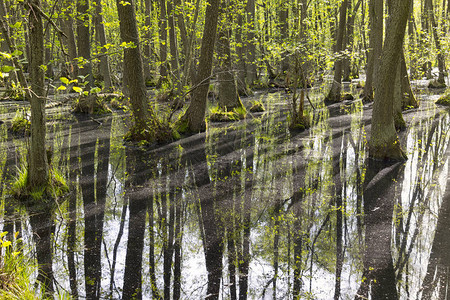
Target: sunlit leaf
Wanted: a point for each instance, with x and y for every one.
(77, 89)
(61, 88)
(64, 80)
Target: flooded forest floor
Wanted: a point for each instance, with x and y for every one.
(248, 207)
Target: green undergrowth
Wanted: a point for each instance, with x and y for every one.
(444, 99)
(218, 114)
(20, 124)
(99, 104)
(159, 132)
(16, 272)
(55, 188)
(257, 106)
(434, 84)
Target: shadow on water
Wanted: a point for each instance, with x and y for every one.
(244, 211)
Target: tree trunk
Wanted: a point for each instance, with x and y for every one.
(375, 46)
(228, 95)
(335, 92)
(38, 167)
(437, 43)
(83, 41)
(163, 72)
(67, 27)
(250, 46)
(195, 114)
(101, 38)
(146, 125)
(174, 64)
(384, 143)
(148, 43)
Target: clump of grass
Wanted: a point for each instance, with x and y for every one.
(20, 123)
(15, 272)
(55, 188)
(218, 114)
(257, 106)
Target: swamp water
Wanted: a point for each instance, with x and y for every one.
(245, 208)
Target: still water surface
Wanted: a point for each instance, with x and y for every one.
(245, 210)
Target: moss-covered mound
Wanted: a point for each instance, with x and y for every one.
(20, 124)
(218, 114)
(434, 84)
(91, 104)
(444, 100)
(55, 188)
(257, 106)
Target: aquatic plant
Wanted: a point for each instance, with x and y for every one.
(15, 272)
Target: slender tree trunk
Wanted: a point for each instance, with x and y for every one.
(335, 92)
(384, 143)
(174, 57)
(163, 72)
(144, 116)
(228, 94)
(437, 43)
(240, 50)
(376, 12)
(250, 46)
(70, 41)
(101, 38)
(147, 45)
(195, 114)
(38, 174)
(83, 41)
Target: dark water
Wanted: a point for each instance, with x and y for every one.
(243, 209)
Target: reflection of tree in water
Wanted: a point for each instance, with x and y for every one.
(379, 275)
(418, 205)
(93, 183)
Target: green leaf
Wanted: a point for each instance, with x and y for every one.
(7, 69)
(95, 90)
(6, 244)
(5, 55)
(64, 80)
(77, 89)
(17, 53)
(61, 88)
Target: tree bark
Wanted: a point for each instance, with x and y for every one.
(146, 125)
(375, 46)
(228, 94)
(163, 72)
(250, 46)
(384, 143)
(38, 167)
(83, 41)
(101, 38)
(195, 114)
(335, 92)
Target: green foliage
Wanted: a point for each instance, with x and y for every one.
(20, 123)
(444, 99)
(55, 188)
(15, 92)
(257, 106)
(16, 272)
(91, 104)
(218, 114)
